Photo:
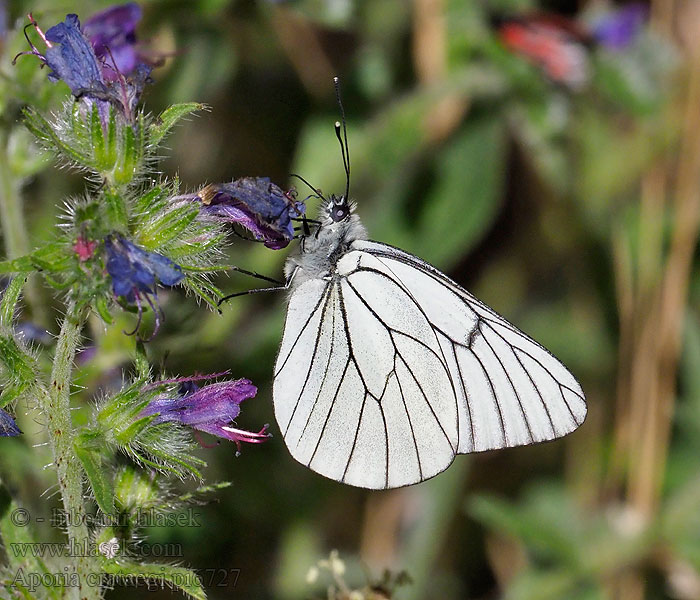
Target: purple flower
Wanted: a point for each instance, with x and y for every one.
(71, 58)
(136, 271)
(8, 427)
(617, 29)
(112, 33)
(33, 332)
(255, 203)
(70, 55)
(211, 409)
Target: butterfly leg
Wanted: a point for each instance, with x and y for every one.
(277, 288)
(256, 275)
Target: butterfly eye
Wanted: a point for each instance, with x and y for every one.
(339, 212)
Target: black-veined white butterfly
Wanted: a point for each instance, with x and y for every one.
(388, 368)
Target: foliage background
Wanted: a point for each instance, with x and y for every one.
(574, 214)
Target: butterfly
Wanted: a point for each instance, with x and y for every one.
(388, 368)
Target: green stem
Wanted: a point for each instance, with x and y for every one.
(14, 229)
(68, 467)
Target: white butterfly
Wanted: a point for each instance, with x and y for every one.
(388, 368)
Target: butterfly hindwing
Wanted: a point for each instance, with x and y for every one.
(364, 396)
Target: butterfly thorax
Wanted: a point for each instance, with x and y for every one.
(318, 253)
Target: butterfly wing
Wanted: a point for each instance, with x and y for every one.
(362, 392)
(511, 390)
(389, 369)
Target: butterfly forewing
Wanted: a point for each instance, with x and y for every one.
(514, 391)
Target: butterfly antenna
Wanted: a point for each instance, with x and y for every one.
(344, 149)
(313, 189)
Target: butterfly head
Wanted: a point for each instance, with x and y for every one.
(338, 208)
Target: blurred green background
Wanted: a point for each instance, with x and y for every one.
(573, 212)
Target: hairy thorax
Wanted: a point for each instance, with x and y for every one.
(317, 254)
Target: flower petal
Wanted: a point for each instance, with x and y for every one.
(112, 33)
(8, 427)
(257, 204)
(133, 268)
(72, 58)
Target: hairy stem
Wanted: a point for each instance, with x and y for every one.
(68, 467)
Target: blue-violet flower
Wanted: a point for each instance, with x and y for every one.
(211, 409)
(112, 33)
(70, 55)
(256, 204)
(616, 30)
(135, 272)
(8, 427)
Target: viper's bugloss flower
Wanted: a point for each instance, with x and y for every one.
(211, 409)
(616, 30)
(70, 55)
(256, 204)
(112, 33)
(8, 427)
(72, 59)
(136, 271)
(32, 332)
(84, 249)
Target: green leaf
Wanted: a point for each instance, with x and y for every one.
(153, 200)
(102, 307)
(94, 469)
(465, 199)
(181, 578)
(458, 198)
(143, 368)
(115, 207)
(206, 290)
(167, 226)
(22, 264)
(11, 393)
(97, 137)
(544, 521)
(20, 365)
(202, 490)
(44, 131)
(10, 298)
(51, 257)
(120, 410)
(190, 247)
(169, 117)
(125, 435)
(126, 167)
(111, 142)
